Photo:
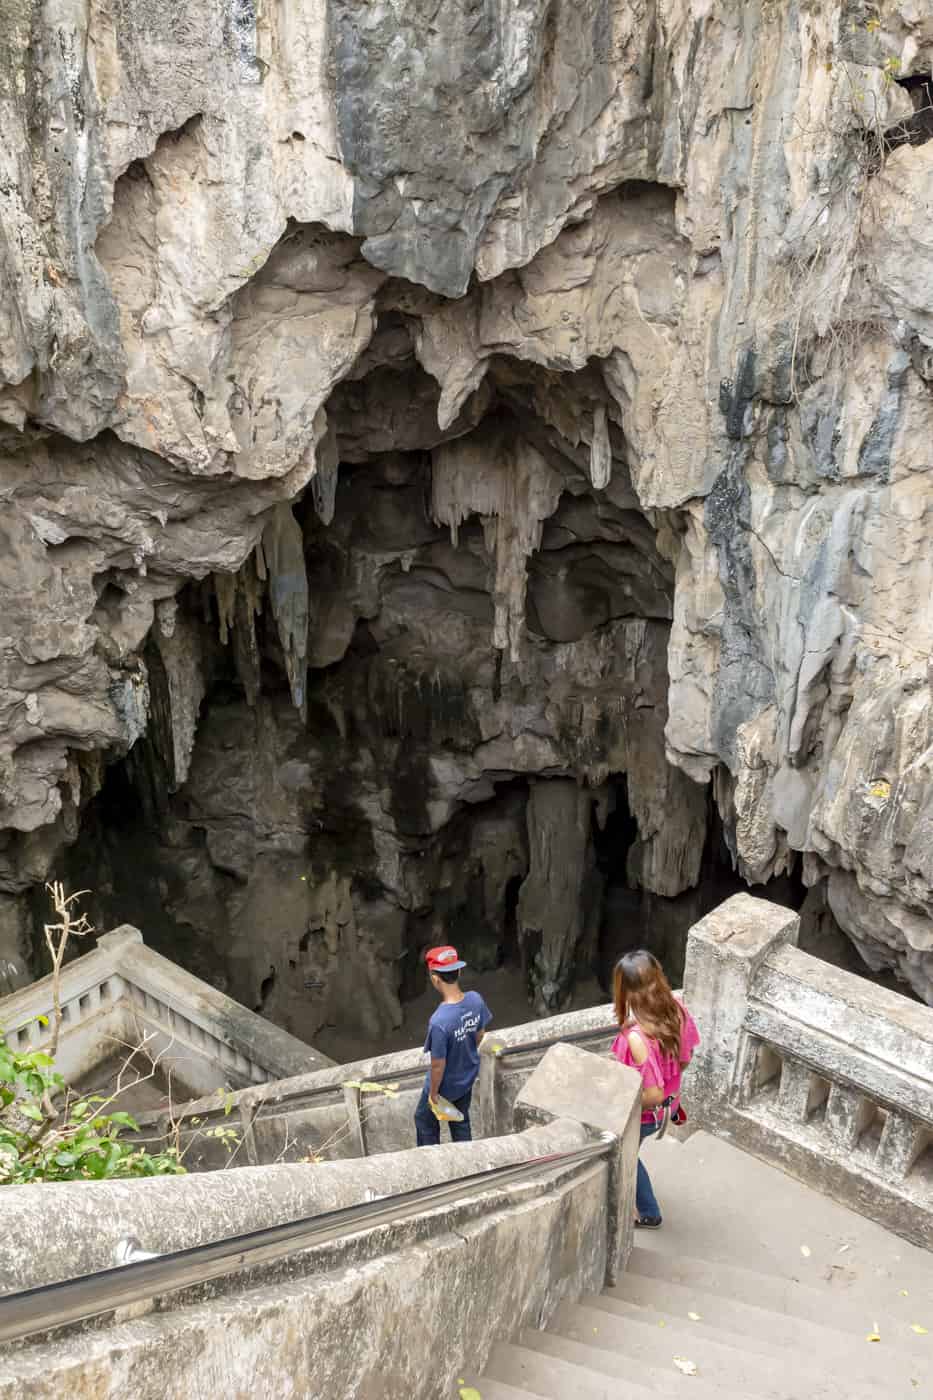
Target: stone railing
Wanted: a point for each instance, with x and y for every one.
(400, 1308)
(820, 1071)
(321, 1114)
(122, 993)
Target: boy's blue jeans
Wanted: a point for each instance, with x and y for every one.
(428, 1127)
(646, 1202)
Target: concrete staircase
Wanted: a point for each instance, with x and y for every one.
(765, 1287)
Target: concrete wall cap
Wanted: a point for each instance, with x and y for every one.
(574, 1083)
(171, 1213)
(746, 927)
(119, 937)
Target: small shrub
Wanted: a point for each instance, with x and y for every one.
(80, 1140)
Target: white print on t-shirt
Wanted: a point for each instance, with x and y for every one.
(467, 1026)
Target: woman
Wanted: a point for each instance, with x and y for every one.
(657, 1037)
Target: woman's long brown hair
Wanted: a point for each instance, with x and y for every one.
(643, 994)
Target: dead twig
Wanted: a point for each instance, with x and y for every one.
(57, 937)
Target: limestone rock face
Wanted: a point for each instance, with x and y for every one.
(460, 467)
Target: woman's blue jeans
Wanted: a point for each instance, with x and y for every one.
(646, 1203)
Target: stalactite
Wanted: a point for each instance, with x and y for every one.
(324, 481)
(225, 591)
(177, 638)
(283, 547)
(506, 482)
(600, 450)
(276, 567)
(259, 560)
(239, 602)
(245, 645)
(553, 904)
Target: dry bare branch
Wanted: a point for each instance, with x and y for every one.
(57, 936)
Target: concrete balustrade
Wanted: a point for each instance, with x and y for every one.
(398, 1309)
(318, 1113)
(810, 1067)
(123, 994)
(814, 1070)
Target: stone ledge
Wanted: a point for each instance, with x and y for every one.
(812, 1068)
(405, 1321)
(573, 1084)
(171, 1213)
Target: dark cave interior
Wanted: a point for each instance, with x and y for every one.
(430, 708)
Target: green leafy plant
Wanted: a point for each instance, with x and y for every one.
(48, 1133)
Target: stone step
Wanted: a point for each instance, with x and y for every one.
(735, 1362)
(832, 1302)
(724, 1206)
(900, 1352)
(787, 1285)
(490, 1389)
(557, 1368)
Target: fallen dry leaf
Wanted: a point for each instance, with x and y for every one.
(904, 1293)
(686, 1368)
(469, 1392)
(842, 1248)
(662, 1324)
(920, 1331)
(694, 1317)
(805, 1251)
(873, 1337)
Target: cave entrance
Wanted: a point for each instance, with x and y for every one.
(464, 597)
(634, 917)
(399, 714)
(132, 856)
(511, 953)
(486, 607)
(614, 837)
(478, 863)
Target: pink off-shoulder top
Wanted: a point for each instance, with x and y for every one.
(660, 1070)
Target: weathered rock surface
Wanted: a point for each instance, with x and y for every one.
(424, 432)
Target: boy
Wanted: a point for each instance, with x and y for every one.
(455, 1033)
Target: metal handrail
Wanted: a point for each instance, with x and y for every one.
(74, 1300)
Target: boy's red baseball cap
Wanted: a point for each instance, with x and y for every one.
(443, 959)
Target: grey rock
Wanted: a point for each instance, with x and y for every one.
(530, 395)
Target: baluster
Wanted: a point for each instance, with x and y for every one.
(848, 1114)
(759, 1070)
(902, 1140)
(351, 1099)
(795, 1092)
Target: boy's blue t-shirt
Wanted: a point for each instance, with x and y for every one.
(452, 1037)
